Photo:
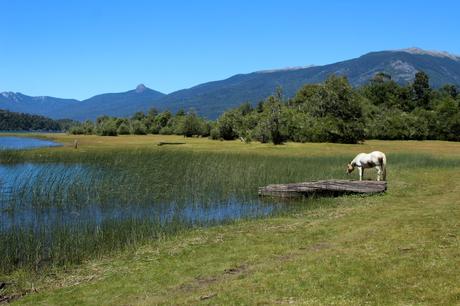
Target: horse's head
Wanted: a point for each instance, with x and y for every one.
(350, 168)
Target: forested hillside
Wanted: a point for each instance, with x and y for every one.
(10, 121)
(332, 111)
(211, 99)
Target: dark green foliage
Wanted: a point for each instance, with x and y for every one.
(180, 112)
(339, 107)
(448, 119)
(381, 90)
(88, 127)
(272, 119)
(106, 126)
(422, 90)
(138, 127)
(449, 90)
(167, 130)
(10, 121)
(138, 116)
(189, 124)
(324, 112)
(227, 124)
(395, 124)
(192, 125)
(149, 119)
(76, 130)
(335, 112)
(153, 112)
(123, 129)
(161, 120)
(454, 128)
(214, 133)
(305, 93)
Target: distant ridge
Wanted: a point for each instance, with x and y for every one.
(415, 50)
(284, 69)
(112, 104)
(42, 105)
(212, 98)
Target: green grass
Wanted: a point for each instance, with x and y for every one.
(140, 179)
(398, 248)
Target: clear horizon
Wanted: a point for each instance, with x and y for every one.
(78, 49)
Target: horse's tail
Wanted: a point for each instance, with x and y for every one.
(383, 164)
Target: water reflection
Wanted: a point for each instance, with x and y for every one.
(18, 143)
(34, 195)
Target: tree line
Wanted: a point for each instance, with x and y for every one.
(332, 111)
(11, 121)
(153, 122)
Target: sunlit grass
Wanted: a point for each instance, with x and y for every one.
(293, 255)
(89, 143)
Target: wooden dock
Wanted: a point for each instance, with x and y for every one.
(324, 188)
(163, 143)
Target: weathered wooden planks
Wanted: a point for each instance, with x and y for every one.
(325, 187)
(163, 143)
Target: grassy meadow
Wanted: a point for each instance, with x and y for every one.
(401, 247)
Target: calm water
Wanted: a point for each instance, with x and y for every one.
(88, 204)
(18, 143)
(35, 195)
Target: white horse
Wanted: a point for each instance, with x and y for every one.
(374, 159)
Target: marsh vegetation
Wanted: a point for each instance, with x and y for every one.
(61, 207)
(63, 210)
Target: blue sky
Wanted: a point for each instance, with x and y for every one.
(76, 49)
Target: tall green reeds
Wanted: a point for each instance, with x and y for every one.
(70, 207)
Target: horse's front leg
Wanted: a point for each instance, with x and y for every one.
(361, 173)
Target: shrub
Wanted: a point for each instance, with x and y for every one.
(214, 134)
(138, 128)
(167, 130)
(123, 129)
(107, 128)
(76, 130)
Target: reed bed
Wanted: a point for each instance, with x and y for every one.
(61, 209)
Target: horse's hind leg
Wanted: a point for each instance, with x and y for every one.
(381, 170)
(379, 173)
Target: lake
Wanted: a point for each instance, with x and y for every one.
(63, 212)
(18, 143)
(34, 195)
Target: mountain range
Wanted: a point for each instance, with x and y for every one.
(212, 98)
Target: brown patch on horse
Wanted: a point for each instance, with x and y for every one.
(370, 164)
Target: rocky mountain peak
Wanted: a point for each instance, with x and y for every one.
(415, 50)
(141, 88)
